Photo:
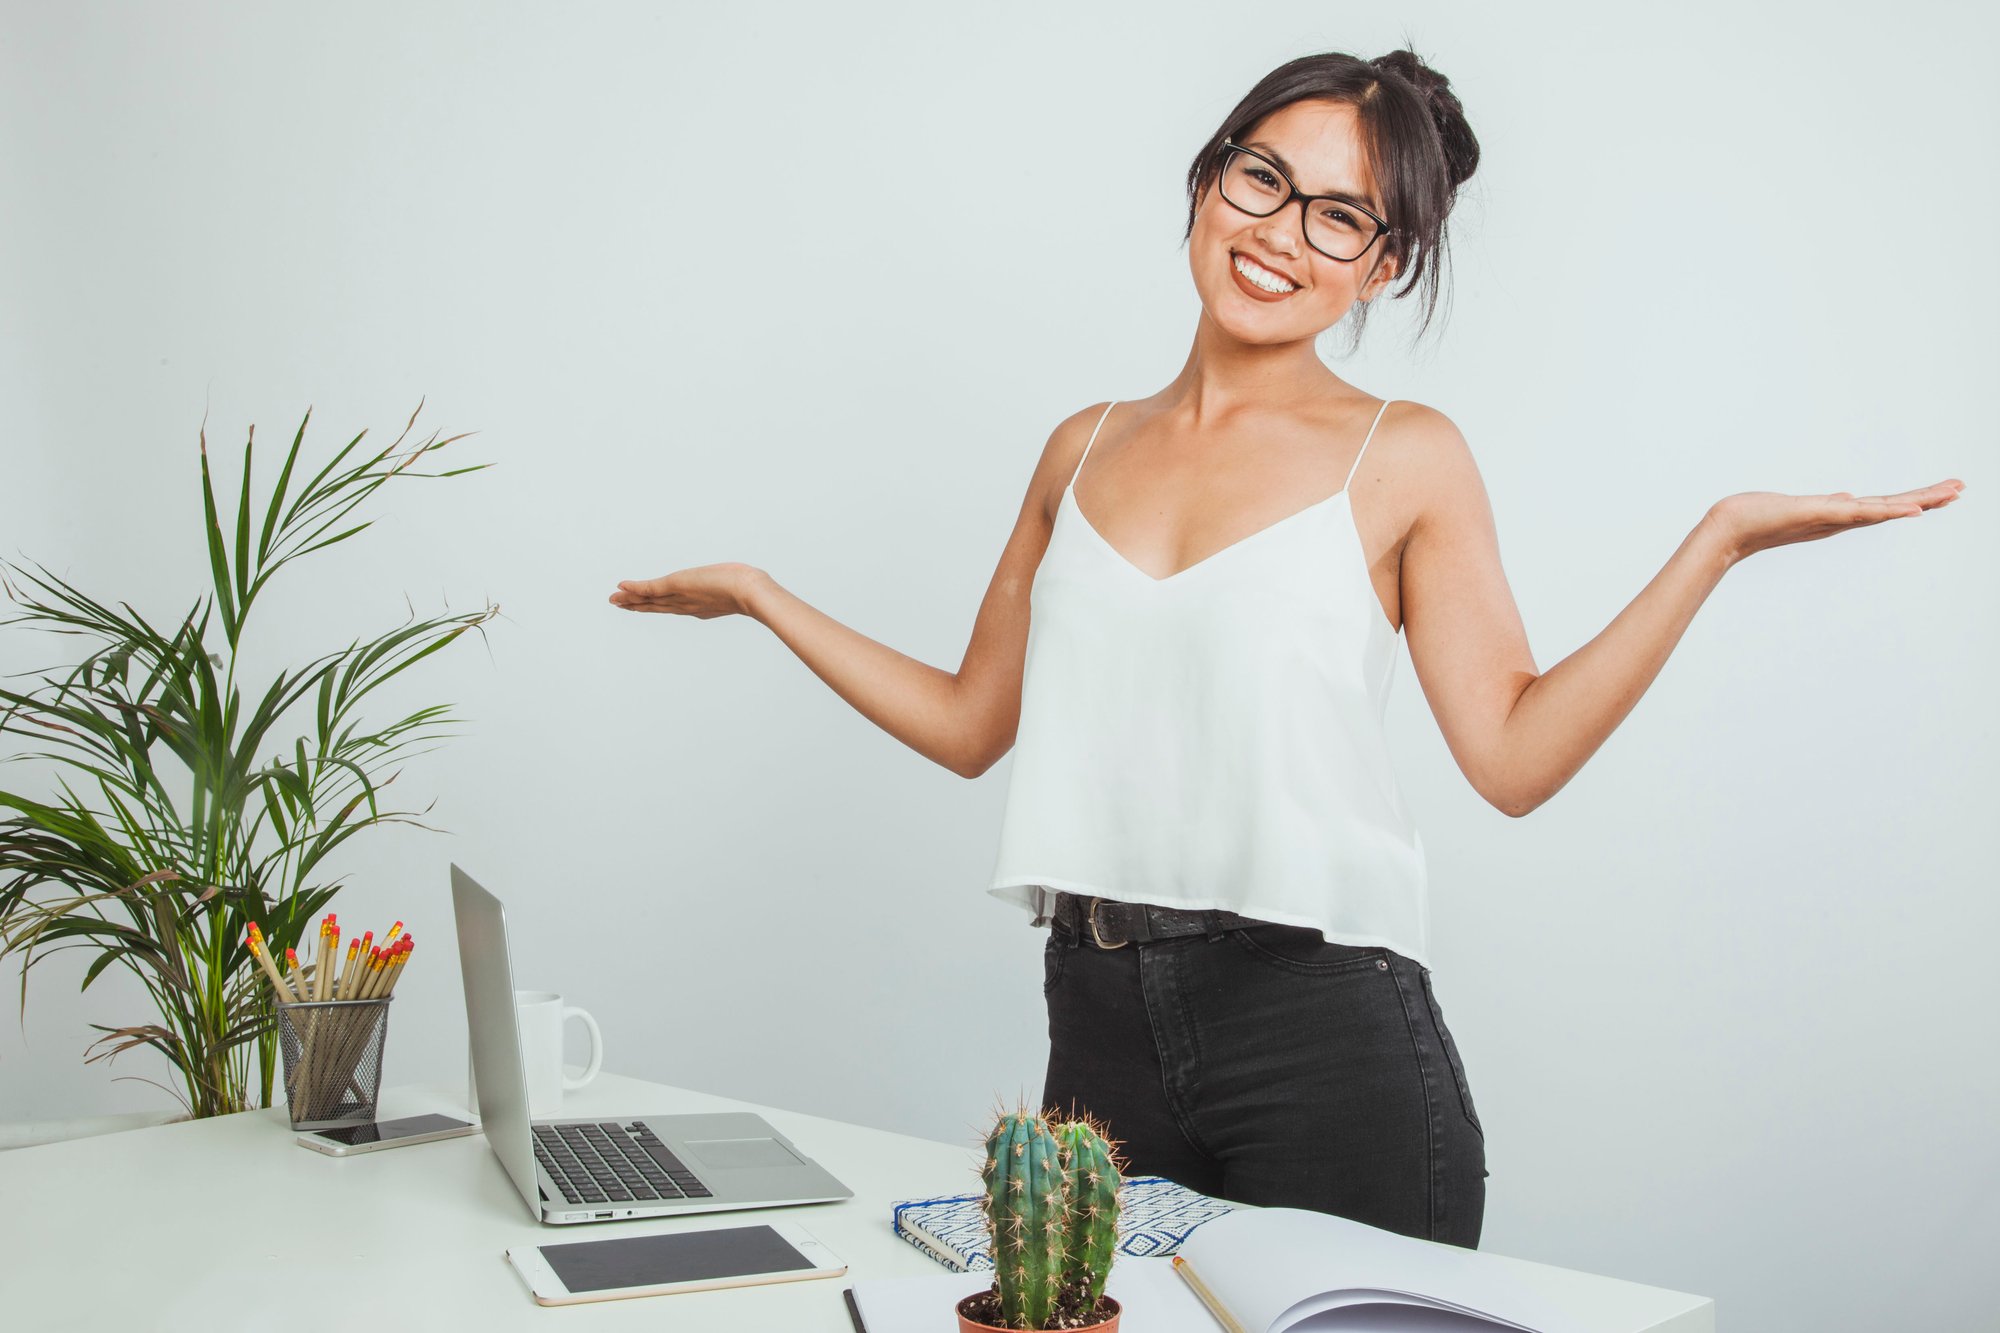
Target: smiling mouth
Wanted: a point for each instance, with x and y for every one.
(1263, 279)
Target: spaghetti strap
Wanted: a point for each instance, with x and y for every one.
(1093, 440)
(1364, 443)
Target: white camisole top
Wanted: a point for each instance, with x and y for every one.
(1214, 739)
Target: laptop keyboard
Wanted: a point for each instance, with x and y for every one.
(609, 1162)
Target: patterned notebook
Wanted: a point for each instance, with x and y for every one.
(1154, 1216)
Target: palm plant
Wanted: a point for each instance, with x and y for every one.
(169, 893)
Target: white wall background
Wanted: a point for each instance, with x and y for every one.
(1725, 1003)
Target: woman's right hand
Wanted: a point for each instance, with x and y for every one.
(705, 591)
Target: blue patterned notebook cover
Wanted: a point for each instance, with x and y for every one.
(1154, 1216)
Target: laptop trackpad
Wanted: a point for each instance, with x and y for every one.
(742, 1152)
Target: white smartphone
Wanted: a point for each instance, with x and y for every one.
(657, 1265)
(346, 1140)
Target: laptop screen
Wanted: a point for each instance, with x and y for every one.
(498, 1079)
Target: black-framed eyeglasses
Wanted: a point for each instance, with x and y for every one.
(1338, 228)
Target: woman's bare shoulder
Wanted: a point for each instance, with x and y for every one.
(1430, 474)
(1417, 456)
(1431, 446)
(1063, 452)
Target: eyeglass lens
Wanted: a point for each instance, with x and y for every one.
(1254, 187)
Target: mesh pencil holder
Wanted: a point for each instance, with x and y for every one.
(333, 1059)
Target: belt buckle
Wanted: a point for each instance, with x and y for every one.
(1095, 933)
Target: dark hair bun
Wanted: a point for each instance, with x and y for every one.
(1461, 149)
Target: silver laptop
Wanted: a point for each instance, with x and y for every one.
(613, 1167)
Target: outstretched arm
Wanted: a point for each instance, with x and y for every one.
(1520, 734)
(1564, 714)
(963, 720)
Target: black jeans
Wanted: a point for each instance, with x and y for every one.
(1270, 1067)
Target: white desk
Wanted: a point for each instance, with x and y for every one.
(225, 1223)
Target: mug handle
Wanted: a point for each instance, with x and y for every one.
(596, 1048)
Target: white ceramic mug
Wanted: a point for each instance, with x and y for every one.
(542, 1015)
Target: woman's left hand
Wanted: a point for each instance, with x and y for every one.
(1758, 520)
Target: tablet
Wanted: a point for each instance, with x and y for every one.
(657, 1265)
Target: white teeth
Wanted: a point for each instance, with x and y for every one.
(1269, 281)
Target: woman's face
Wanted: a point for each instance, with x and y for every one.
(1319, 144)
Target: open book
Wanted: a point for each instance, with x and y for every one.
(1289, 1270)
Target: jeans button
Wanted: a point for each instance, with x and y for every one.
(1381, 965)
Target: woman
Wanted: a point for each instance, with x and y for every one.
(1201, 804)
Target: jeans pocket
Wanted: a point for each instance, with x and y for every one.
(1451, 1054)
(1055, 958)
(1303, 949)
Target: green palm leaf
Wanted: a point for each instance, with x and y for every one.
(165, 891)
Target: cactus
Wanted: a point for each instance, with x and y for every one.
(1093, 1208)
(1051, 1209)
(1027, 1208)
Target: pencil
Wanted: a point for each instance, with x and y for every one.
(345, 990)
(403, 948)
(329, 960)
(297, 1090)
(256, 942)
(319, 963)
(316, 1039)
(1215, 1307)
(360, 967)
(390, 958)
(372, 975)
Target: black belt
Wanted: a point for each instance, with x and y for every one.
(1110, 924)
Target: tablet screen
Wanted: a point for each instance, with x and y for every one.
(681, 1256)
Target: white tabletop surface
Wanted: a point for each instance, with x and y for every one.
(227, 1223)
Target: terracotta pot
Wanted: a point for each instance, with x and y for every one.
(1106, 1325)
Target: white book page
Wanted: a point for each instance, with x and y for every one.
(1274, 1266)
